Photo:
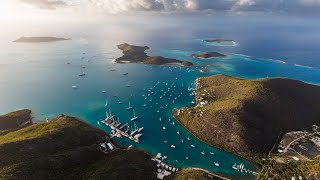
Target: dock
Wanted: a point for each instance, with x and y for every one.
(117, 129)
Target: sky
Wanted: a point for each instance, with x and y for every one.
(15, 10)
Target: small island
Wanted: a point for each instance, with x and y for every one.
(137, 54)
(38, 39)
(207, 55)
(217, 40)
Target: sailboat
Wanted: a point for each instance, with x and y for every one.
(106, 103)
(134, 116)
(129, 107)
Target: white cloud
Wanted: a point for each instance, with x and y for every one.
(44, 4)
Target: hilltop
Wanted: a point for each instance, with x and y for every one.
(66, 148)
(246, 117)
(137, 54)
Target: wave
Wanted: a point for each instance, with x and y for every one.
(243, 55)
(304, 66)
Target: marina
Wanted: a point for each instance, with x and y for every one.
(118, 128)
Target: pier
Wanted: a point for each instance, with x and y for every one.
(118, 131)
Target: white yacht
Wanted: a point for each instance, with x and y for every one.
(216, 164)
(173, 146)
(134, 116)
(129, 107)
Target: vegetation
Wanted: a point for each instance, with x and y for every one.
(191, 174)
(277, 170)
(15, 120)
(246, 116)
(67, 148)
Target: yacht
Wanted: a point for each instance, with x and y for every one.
(103, 91)
(173, 146)
(181, 140)
(164, 128)
(216, 164)
(83, 74)
(211, 153)
(187, 157)
(125, 74)
(178, 132)
(202, 152)
(192, 145)
(74, 87)
(165, 141)
(159, 118)
(105, 105)
(129, 107)
(134, 116)
(140, 129)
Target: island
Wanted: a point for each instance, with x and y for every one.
(249, 117)
(137, 54)
(217, 40)
(65, 147)
(38, 39)
(207, 55)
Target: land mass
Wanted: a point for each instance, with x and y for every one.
(217, 40)
(39, 39)
(65, 148)
(247, 116)
(137, 54)
(207, 55)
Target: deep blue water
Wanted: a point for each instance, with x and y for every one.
(37, 76)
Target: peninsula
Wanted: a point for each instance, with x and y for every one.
(67, 148)
(38, 39)
(137, 54)
(207, 55)
(247, 117)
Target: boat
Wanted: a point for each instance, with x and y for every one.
(159, 118)
(140, 129)
(181, 140)
(83, 74)
(211, 153)
(129, 107)
(103, 91)
(165, 141)
(137, 136)
(144, 105)
(134, 116)
(105, 105)
(188, 139)
(164, 128)
(98, 123)
(202, 152)
(192, 145)
(178, 132)
(173, 146)
(74, 87)
(119, 102)
(125, 74)
(216, 164)
(187, 157)
(172, 123)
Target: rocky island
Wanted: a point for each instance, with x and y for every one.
(247, 117)
(137, 54)
(207, 55)
(38, 39)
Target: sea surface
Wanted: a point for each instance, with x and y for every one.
(39, 76)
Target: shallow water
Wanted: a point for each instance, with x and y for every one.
(37, 76)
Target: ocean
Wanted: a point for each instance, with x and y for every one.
(40, 76)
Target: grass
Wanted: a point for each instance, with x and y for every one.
(67, 148)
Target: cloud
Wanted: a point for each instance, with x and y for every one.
(119, 6)
(45, 4)
(114, 6)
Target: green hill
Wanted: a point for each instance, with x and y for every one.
(247, 116)
(66, 148)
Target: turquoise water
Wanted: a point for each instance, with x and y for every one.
(37, 76)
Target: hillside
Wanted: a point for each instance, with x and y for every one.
(67, 148)
(15, 120)
(247, 116)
